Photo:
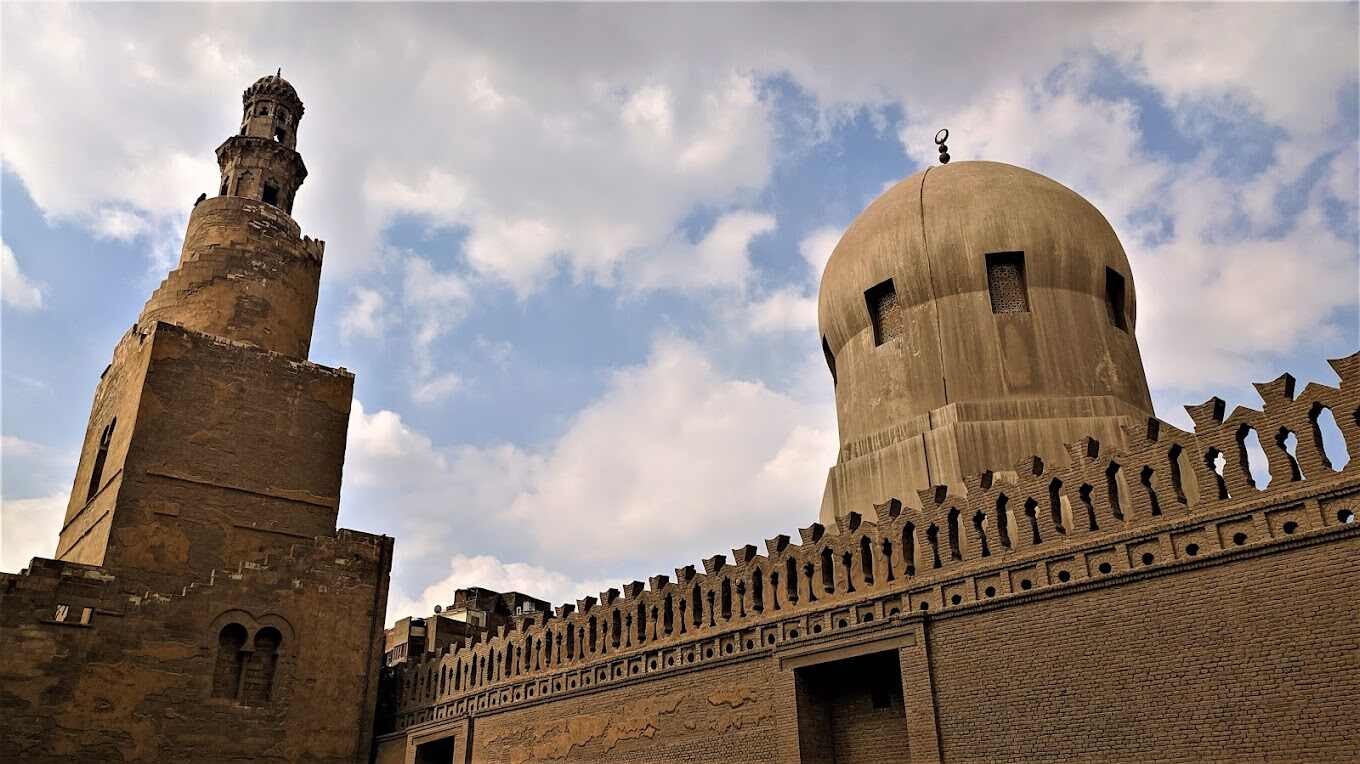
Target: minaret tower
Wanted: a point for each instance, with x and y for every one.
(212, 439)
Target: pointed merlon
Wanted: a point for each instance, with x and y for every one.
(1208, 413)
(777, 544)
(813, 533)
(744, 554)
(1278, 390)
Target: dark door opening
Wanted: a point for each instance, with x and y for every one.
(852, 711)
(435, 752)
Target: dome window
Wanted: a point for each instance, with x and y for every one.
(1006, 282)
(1114, 298)
(885, 312)
(830, 360)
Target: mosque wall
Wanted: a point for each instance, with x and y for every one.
(267, 661)
(1131, 600)
(1255, 658)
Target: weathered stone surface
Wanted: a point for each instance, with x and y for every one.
(1000, 344)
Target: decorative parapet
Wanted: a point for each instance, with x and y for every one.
(1165, 498)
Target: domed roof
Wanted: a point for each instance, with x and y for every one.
(931, 234)
(276, 86)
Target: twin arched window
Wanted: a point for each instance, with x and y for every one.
(246, 674)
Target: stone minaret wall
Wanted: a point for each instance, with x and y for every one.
(246, 273)
(211, 438)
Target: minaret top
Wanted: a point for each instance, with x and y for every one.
(261, 161)
(271, 110)
(274, 88)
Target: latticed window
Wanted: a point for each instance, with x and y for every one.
(885, 312)
(1006, 282)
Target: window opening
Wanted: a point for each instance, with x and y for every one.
(1006, 282)
(1114, 298)
(97, 472)
(885, 312)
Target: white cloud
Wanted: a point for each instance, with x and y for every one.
(488, 572)
(782, 311)
(673, 456)
(437, 301)
(17, 290)
(676, 456)
(29, 527)
(816, 248)
(721, 258)
(435, 387)
(364, 317)
(791, 308)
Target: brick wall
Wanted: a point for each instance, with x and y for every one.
(136, 682)
(1257, 658)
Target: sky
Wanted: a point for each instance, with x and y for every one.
(572, 252)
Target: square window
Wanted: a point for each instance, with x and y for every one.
(885, 312)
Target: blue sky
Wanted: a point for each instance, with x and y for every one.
(572, 252)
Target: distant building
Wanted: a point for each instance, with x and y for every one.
(474, 614)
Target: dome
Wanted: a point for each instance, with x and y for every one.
(986, 298)
(276, 87)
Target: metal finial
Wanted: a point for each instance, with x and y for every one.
(279, 73)
(940, 138)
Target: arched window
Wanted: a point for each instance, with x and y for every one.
(227, 668)
(258, 685)
(726, 599)
(97, 472)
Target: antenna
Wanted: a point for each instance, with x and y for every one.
(940, 138)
